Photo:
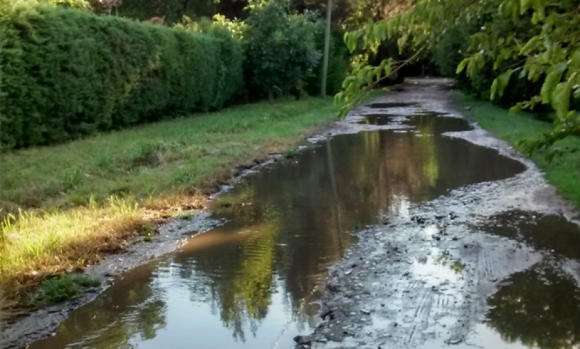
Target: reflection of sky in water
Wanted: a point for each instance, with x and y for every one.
(481, 337)
(251, 282)
(181, 313)
(435, 270)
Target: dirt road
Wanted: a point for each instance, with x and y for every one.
(492, 265)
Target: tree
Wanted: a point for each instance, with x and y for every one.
(280, 48)
(548, 50)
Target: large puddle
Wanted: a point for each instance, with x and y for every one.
(254, 281)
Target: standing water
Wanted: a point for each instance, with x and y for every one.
(253, 282)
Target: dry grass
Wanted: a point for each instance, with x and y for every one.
(36, 244)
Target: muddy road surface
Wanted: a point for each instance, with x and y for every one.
(494, 264)
(403, 226)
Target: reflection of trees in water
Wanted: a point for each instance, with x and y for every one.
(294, 222)
(246, 300)
(539, 307)
(296, 217)
(303, 220)
(544, 232)
(138, 311)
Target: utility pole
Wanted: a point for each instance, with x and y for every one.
(326, 49)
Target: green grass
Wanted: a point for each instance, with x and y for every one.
(562, 172)
(154, 159)
(65, 206)
(63, 287)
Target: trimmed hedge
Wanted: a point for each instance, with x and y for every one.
(67, 73)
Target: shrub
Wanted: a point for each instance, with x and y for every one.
(454, 46)
(66, 73)
(231, 48)
(337, 63)
(280, 48)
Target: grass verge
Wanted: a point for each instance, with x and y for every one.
(64, 206)
(562, 172)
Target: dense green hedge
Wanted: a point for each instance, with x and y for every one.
(67, 73)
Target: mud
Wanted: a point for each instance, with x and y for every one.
(436, 226)
(492, 265)
(43, 322)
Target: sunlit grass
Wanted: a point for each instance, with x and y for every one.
(35, 244)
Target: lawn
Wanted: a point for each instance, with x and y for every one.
(562, 172)
(65, 206)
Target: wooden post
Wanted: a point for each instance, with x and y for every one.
(326, 49)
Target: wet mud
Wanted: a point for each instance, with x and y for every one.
(490, 265)
(402, 226)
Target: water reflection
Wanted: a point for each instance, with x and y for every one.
(539, 307)
(423, 123)
(543, 232)
(390, 105)
(251, 282)
(137, 314)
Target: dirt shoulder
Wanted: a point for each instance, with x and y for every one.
(424, 279)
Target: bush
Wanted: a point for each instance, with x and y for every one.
(337, 63)
(280, 48)
(231, 47)
(66, 73)
(453, 48)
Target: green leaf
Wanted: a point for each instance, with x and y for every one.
(351, 40)
(524, 6)
(376, 33)
(462, 65)
(530, 45)
(561, 99)
(501, 83)
(554, 75)
(493, 89)
(390, 28)
(401, 42)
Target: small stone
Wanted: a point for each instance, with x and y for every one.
(454, 340)
(365, 311)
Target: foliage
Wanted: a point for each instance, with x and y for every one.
(337, 63)
(174, 10)
(451, 50)
(67, 73)
(562, 172)
(280, 48)
(548, 45)
(229, 35)
(64, 287)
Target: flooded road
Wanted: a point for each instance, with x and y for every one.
(257, 280)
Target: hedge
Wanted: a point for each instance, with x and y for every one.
(67, 73)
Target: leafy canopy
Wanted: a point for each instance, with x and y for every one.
(280, 48)
(548, 51)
